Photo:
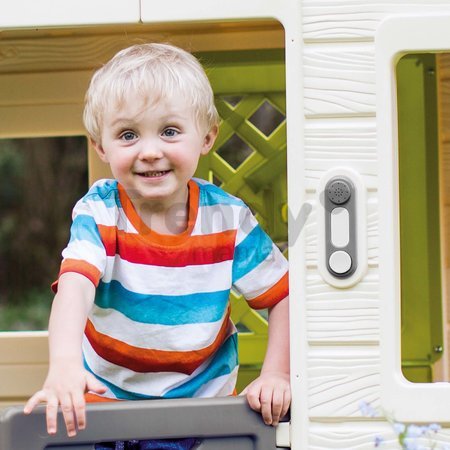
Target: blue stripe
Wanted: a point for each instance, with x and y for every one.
(84, 228)
(103, 188)
(254, 249)
(212, 195)
(163, 309)
(105, 191)
(223, 363)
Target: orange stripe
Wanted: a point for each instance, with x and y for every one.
(275, 294)
(78, 266)
(198, 250)
(143, 229)
(109, 237)
(151, 360)
(94, 398)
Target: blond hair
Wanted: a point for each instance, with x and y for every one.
(153, 72)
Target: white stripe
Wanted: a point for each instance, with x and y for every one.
(246, 226)
(81, 208)
(231, 330)
(219, 387)
(189, 337)
(263, 276)
(217, 218)
(106, 216)
(96, 209)
(149, 383)
(122, 222)
(107, 394)
(86, 251)
(156, 280)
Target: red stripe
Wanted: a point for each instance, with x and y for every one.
(275, 294)
(151, 360)
(199, 250)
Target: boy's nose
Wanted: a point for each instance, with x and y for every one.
(150, 150)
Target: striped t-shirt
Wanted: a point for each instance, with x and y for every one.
(160, 325)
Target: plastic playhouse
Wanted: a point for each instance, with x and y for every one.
(335, 130)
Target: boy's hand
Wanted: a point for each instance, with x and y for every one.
(65, 385)
(270, 394)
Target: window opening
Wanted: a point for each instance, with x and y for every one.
(422, 96)
(267, 118)
(216, 180)
(40, 181)
(248, 75)
(234, 151)
(232, 100)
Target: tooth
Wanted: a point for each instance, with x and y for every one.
(154, 174)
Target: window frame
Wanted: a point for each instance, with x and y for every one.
(288, 14)
(397, 36)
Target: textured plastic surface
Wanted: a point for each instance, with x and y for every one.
(412, 402)
(221, 424)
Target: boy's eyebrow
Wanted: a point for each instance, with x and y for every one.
(173, 115)
(121, 121)
(127, 120)
(174, 118)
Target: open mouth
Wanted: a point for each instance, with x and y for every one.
(153, 173)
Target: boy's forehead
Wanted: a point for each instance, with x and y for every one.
(134, 107)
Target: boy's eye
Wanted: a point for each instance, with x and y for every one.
(128, 136)
(170, 132)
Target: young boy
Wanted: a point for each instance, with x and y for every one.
(141, 308)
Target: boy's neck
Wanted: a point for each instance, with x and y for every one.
(167, 222)
(163, 218)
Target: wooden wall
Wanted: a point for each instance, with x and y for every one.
(443, 74)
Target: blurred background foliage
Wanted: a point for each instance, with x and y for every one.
(40, 181)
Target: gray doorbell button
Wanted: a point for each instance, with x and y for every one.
(340, 227)
(340, 262)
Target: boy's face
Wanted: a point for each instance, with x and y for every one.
(154, 150)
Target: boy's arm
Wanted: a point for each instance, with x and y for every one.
(67, 380)
(270, 393)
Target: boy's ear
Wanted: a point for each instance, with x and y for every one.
(209, 140)
(99, 149)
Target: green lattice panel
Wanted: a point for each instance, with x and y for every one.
(249, 161)
(260, 179)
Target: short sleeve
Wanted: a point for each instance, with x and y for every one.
(260, 270)
(85, 253)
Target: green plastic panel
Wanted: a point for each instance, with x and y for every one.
(421, 296)
(249, 161)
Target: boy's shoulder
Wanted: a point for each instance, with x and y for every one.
(211, 195)
(102, 190)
